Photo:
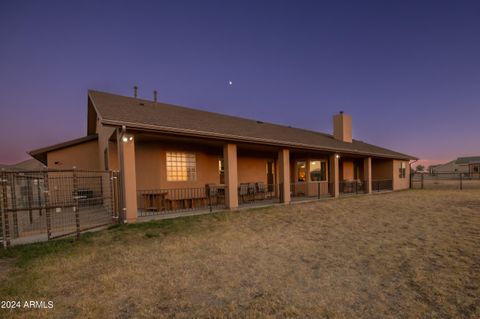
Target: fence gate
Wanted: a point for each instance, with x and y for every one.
(44, 205)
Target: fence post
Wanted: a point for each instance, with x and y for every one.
(76, 208)
(421, 180)
(13, 188)
(46, 202)
(4, 218)
(318, 190)
(39, 195)
(461, 181)
(30, 198)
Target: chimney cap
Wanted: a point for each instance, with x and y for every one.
(341, 112)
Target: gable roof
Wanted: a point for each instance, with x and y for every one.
(40, 154)
(137, 113)
(468, 160)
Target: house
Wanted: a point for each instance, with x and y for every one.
(173, 157)
(468, 166)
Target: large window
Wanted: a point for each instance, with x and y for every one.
(301, 171)
(402, 171)
(318, 170)
(181, 167)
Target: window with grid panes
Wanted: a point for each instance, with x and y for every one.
(181, 167)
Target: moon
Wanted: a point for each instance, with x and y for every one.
(230, 82)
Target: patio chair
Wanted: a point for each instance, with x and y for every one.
(243, 191)
(252, 190)
(261, 189)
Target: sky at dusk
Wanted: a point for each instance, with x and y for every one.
(407, 71)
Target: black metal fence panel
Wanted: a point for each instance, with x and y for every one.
(167, 201)
(352, 187)
(382, 185)
(255, 193)
(447, 180)
(43, 205)
(310, 190)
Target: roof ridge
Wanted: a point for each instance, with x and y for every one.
(213, 113)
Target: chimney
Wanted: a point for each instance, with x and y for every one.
(342, 127)
(155, 96)
(135, 91)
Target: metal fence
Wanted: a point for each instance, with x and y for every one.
(448, 180)
(352, 187)
(44, 205)
(310, 190)
(167, 201)
(257, 193)
(382, 185)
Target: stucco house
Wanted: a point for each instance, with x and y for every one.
(172, 157)
(469, 166)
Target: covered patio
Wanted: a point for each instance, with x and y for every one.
(171, 174)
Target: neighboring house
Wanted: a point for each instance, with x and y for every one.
(465, 165)
(27, 165)
(158, 146)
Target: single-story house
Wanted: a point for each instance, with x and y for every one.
(469, 165)
(160, 148)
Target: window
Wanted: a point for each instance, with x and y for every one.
(181, 167)
(301, 171)
(402, 171)
(221, 170)
(318, 170)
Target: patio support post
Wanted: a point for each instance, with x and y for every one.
(334, 175)
(231, 175)
(367, 174)
(284, 175)
(126, 154)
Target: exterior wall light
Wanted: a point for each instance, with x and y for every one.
(337, 156)
(127, 138)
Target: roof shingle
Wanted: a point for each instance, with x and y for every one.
(133, 112)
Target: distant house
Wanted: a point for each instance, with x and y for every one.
(27, 165)
(465, 165)
(161, 149)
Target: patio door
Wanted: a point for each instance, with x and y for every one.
(270, 175)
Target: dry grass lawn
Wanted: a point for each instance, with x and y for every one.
(412, 254)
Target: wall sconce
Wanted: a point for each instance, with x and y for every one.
(337, 156)
(126, 138)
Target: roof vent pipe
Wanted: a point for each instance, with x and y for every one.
(135, 91)
(155, 96)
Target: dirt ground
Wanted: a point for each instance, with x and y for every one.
(410, 254)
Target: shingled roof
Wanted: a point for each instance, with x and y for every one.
(138, 113)
(468, 160)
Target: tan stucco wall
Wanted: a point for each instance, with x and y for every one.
(104, 133)
(152, 169)
(385, 169)
(113, 156)
(400, 183)
(347, 170)
(83, 156)
(252, 170)
(382, 169)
